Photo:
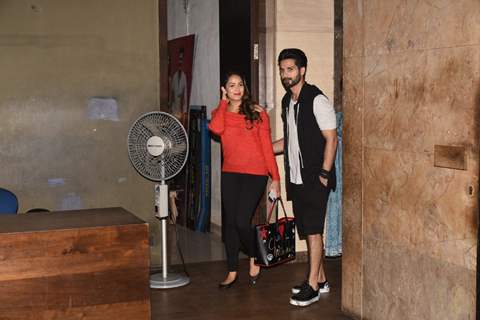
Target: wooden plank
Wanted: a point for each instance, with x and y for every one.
(75, 269)
(72, 219)
(452, 157)
(118, 311)
(31, 255)
(76, 290)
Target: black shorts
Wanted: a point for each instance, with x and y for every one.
(309, 207)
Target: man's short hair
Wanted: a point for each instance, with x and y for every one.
(296, 54)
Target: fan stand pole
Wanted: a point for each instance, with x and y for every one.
(165, 280)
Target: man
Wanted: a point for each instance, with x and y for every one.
(178, 90)
(309, 145)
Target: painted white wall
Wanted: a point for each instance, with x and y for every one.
(201, 17)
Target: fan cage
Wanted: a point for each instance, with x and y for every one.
(171, 131)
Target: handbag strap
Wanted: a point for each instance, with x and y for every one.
(275, 202)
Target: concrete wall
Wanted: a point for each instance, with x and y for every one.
(54, 56)
(411, 81)
(308, 25)
(200, 17)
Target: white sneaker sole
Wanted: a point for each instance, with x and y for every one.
(322, 290)
(303, 303)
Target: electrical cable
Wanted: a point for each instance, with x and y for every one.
(180, 251)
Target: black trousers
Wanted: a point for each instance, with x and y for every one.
(240, 196)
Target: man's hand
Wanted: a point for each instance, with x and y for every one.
(323, 181)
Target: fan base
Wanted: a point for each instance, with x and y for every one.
(173, 280)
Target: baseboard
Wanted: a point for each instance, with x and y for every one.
(351, 315)
(216, 229)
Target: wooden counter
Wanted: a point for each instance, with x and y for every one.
(84, 264)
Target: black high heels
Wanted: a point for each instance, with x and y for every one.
(254, 279)
(227, 285)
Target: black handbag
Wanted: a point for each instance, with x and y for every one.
(275, 242)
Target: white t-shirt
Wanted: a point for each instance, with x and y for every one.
(326, 120)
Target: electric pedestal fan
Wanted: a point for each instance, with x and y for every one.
(158, 150)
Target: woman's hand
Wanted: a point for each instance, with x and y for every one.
(275, 188)
(224, 93)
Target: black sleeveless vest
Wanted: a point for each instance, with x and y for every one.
(310, 139)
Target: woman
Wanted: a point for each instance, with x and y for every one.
(248, 159)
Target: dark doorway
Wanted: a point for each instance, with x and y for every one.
(239, 53)
(235, 38)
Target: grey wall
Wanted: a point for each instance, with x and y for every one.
(200, 17)
(54, 56)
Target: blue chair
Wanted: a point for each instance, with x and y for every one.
(8, 202)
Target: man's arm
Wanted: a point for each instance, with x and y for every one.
(278, 146)
(330, 150)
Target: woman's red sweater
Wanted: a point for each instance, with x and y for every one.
(244, 150)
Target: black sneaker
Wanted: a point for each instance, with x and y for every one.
(300, 287)
(305, 297)
(323, 287)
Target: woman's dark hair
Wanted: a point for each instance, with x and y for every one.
(247, 105)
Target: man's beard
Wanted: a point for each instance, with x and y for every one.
(289, 82)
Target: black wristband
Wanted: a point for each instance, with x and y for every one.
(324, 173)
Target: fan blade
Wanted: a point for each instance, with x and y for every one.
(153, 128)
(178, 148)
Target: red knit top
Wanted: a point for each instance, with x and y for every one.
(244, 150)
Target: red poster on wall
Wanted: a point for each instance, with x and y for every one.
(180, 57)
(180, 62)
